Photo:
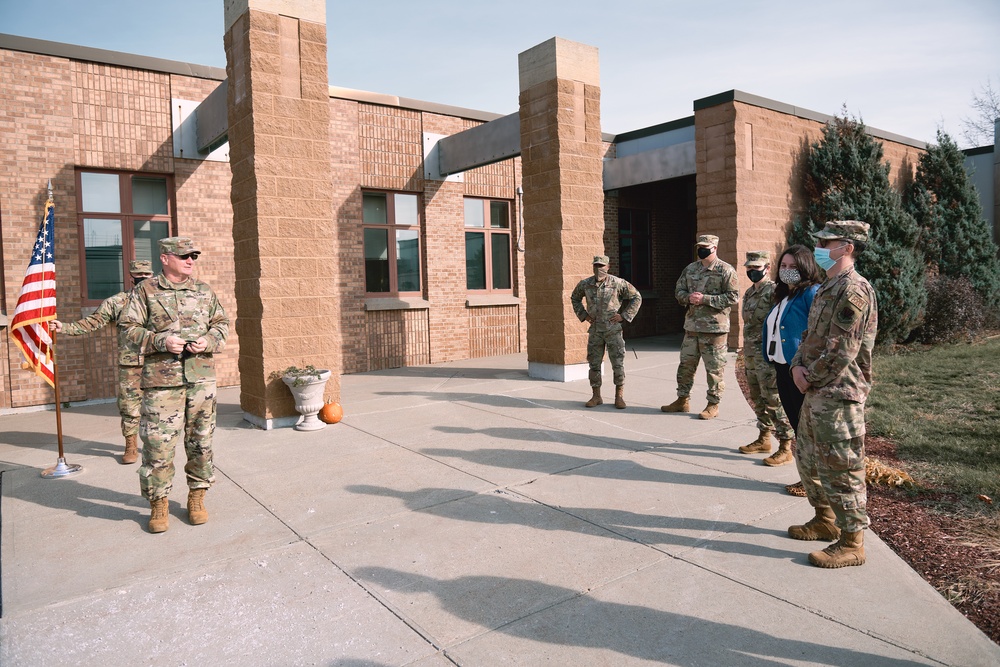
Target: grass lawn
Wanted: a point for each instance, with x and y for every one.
(942, 408)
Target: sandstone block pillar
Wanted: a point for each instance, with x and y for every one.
(283, 213)
(562, 172)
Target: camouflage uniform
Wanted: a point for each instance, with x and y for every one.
(129, 360)
(706, 326)
(836, 352)
(179, 390)
(604, 299)
(761, 379)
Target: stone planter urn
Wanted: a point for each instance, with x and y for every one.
(307, 390)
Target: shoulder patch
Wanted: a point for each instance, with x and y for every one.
(850, 312)
(858, 301)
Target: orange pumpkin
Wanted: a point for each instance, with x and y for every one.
(331, 413)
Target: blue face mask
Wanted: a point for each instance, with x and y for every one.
(823, 258)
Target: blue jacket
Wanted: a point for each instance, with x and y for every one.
(793, 323)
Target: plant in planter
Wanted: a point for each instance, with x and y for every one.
(307, 386)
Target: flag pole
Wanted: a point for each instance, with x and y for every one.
(61, 468)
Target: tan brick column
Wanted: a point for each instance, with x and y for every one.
(283, 213)
(560, 110)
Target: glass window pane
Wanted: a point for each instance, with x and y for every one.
(474, 216)
(374, 209)
(499, 215)
(102, 240)
(376, 260)
(100, 193)
(624, 220)
(640, 223)
(625, 259)
(408, 260)
(149, 196)
(642, 270)
(475, 260)
(501, 260)
(147, 234)
(405, 212)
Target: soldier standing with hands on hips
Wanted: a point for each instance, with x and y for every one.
(833, 368)
(181, 323)
(708, 289)
(610, 301)
(129, 359)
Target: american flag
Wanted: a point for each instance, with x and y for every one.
(37, 303)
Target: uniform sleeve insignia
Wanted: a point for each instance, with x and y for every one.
(858, 301)
(848, 316)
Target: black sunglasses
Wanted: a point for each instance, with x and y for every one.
(190, 255)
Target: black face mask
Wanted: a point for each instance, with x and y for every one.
(136, 281)
(755, 275)
(704, 252)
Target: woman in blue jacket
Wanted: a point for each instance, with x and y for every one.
(798, 279)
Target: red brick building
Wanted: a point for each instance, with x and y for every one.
(416, 267)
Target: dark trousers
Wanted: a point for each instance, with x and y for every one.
(791, 397)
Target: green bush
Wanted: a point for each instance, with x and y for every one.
(955, 238)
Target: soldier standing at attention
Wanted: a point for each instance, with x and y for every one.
(761, 378)
(708, 289)
(833, 368)
(610, 301)
(181, 323)
(129, 359)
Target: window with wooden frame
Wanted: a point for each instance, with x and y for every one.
(635, 247)
(487, 245)
(121, 216)
(391, 223)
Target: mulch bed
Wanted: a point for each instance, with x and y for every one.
(959, 557)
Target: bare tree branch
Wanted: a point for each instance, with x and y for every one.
(978, 130)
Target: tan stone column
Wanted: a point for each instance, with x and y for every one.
(283, 214)
(560, 110)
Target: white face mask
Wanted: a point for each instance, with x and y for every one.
(790, 277)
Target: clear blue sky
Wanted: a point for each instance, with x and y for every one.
(906, 66)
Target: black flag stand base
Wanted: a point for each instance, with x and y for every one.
(62, 469)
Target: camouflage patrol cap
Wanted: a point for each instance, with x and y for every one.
(757, 259)
(601, 259)
(708, 240)
(849, 230)
(140, 266)
(177, 245)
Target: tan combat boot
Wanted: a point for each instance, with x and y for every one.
(848, 550)
(131, 450)
(159, 519)
(711, 411)
(682, 404)
(782, 456)
(197, 514)
(823, 526)
(762, 445)
(595, 400)
(620, 397)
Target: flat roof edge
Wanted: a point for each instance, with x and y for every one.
(800, 112)
(103, 56)
(410, 103)
(660, 128)
(979, 150)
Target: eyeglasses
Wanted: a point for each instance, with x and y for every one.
(190, 255)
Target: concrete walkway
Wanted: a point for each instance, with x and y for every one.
(461, 514)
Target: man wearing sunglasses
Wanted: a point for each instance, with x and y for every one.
(179, 321)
